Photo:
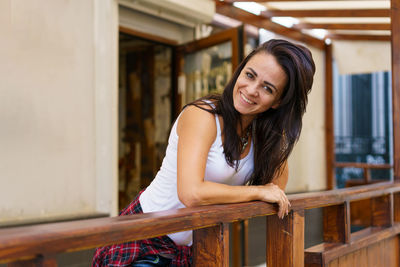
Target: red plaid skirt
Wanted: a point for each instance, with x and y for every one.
(127, 253)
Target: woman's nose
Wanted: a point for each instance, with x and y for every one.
(252, 89)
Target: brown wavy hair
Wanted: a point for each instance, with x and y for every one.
(276, 130)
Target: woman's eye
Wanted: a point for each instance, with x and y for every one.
(268, 89)
(249, 75)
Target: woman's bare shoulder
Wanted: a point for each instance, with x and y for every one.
(198, 121)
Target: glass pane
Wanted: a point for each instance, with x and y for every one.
(207, 71)
(363, 128)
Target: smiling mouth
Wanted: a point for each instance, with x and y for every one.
(246, 99)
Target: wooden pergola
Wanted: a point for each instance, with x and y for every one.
(354, 31)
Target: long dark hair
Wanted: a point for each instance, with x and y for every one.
(276, 130)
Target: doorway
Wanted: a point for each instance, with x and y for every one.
(145, 108)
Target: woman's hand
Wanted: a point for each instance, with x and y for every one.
(273, 194)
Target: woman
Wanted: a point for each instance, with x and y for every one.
(226, 149)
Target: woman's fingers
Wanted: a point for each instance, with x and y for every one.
(277, 195)
(284, 205)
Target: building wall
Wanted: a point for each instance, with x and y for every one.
(307, 164)
(146, 23)
(57, 103)
(58, 110)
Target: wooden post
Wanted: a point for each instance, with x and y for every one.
(285, 240)
(395, 22)
(337, 223)
(329, 137)
(396, 207)
(211, 246)
(236, 244)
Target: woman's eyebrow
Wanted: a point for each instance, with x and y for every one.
(265, 82)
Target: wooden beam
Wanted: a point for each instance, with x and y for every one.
(285, 240)
(265, 23)
(329, 135)
(395, 18)
(263, 1)
(52, 238)
(345, 26)
(327, 13)
(358, 37)
(362, 165)
(211, 245)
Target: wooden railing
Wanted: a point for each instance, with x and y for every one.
(367, 167)
(37, 245)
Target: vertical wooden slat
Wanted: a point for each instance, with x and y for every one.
(396, 207)
(236, 244)
(395, 22)
(285, 240)
(246, 242)
(329, 138)
(334, 263)
(363, 260)
(211, 246)
(381, 211)
(337, 223)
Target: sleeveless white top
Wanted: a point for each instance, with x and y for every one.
(162, 194)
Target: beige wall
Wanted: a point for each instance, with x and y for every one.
(355, 57)
(307, 164)
(57, 108)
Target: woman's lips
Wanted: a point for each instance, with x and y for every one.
(245, 99)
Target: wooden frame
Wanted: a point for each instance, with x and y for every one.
(37, 245)
(234, 35)
(328, 13)
(329, 127)
(265, 22)
(395, 19)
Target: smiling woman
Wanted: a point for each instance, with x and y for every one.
(226, 148)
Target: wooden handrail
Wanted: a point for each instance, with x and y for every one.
(367, 167)
(52, 238)
(362, 165)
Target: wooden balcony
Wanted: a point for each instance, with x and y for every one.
(376, 245)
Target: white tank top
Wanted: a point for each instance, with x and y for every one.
(162, 194)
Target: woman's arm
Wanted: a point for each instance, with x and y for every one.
(282, 176)
(197, 131)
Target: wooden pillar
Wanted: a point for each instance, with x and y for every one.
(285, 240)
(329, 127)
(396, 207)
(211, 246)
(395, 22)
(337, 223)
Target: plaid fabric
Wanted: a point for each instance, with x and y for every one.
(125, 254)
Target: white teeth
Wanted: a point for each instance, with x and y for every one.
(245, 99)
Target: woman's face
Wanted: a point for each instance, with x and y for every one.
(259, 86)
